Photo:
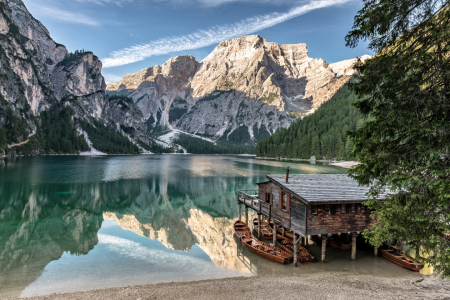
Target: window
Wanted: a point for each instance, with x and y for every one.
(363, 208)
(267, 198)
(313, 209)
(353, 207)
(333, 209)
(283, 205)
(342, 208)
(284, 201)
(327, 208)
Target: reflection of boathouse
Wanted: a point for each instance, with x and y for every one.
(320, 205)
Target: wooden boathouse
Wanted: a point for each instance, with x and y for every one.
(320, 205)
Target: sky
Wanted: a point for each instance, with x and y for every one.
(131, 35)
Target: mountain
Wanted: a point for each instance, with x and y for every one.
(47, 93)
(53, 101)
(321, 134)
(244, 91)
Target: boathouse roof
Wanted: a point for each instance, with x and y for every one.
(316, 188)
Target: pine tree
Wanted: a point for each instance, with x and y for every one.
(405, 147)
(340, 149)
(348, 148)
(315, 146)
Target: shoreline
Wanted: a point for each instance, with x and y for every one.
(343, 164)
(93, 154)
(337, 285)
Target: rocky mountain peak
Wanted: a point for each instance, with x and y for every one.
(39, 37)
(246, 84)
(36, 71)
(345, 67)
(175, 68)
(81, 78)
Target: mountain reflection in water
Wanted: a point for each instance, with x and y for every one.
(52, 210)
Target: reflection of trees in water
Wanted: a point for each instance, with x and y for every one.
(39, 223)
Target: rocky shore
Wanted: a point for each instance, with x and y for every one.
(334, 285)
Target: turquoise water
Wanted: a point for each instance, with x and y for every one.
(70, 223)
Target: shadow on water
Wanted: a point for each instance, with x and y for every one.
(166, 213)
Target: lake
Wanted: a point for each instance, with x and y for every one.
(72, 223)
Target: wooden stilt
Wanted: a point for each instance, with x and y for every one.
(324, 246)
(375, 250)
(283, 232)
(353, 245)
(259, 226)
(295, 248)
(274, 234)
(246, 215)
(240, 217)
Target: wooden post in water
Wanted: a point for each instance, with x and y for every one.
(246, 215)
(295, 248)
(274, 234)
(324, 246)
(353, 245)
(375, 250)
(259, 226)
(239, 204)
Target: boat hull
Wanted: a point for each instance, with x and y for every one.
(389, 254)
(254, 244)
(339, 244)
(266, 230)
(243, 233)
(303, 255)
(241, 230)
(287, 234)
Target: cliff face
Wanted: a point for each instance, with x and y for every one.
(245, 83)
(35, 71)
(28, 57)
(157, 88)
(82, 80)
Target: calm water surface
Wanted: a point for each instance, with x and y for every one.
(71, 223)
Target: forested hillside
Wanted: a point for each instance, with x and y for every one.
(107, 139)
(321, 134)
(199, 146)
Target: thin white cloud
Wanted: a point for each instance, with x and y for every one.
(106, 2)
(65, 16)
(221, 2)
(203, 38)
(208, 3)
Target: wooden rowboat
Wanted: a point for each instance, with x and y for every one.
(262, 249)
(266, 230)
(287, 233)
(340, 243)
(303, 255)
(241, 229)
(401, 259)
